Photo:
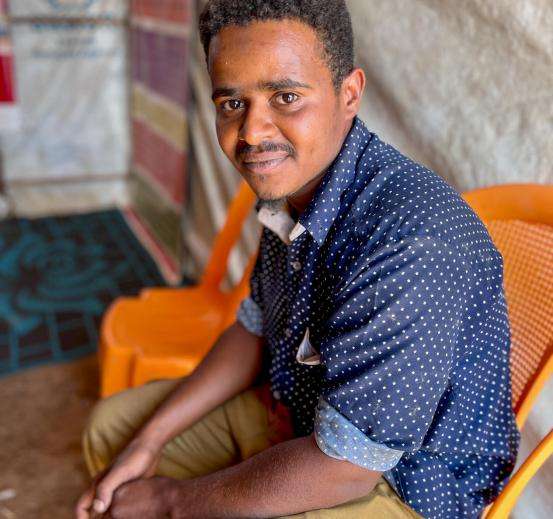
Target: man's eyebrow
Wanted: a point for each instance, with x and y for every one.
(275, 85)
(224, 92)
(281, 84)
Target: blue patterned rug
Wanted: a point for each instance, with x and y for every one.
(57, 275)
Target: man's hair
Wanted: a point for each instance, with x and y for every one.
(329, 18)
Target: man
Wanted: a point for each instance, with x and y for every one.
(376, 300)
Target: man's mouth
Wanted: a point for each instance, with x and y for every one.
(264, 163)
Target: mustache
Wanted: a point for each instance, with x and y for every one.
(246, 149)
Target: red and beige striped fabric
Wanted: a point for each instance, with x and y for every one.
(159, 51)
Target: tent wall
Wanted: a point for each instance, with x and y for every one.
(159, 45)
(71, 152)
(464, 87)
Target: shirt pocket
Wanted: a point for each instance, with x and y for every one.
(306, 353)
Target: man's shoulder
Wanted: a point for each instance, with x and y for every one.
(394, 197)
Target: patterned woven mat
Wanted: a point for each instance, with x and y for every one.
(57, 275)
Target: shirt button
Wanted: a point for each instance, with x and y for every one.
(296, 265)
(276, 395)
(288, 333)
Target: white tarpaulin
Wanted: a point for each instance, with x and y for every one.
(72, 93)
(464, 87)
(73, 8)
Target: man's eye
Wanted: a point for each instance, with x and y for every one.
(232, 104)
(287, 98)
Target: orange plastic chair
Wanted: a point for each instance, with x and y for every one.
(166, 332)
(519, 218)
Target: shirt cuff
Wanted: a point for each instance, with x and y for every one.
(250, 316)
(337, 437)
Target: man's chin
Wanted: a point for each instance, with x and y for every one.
(266, 194)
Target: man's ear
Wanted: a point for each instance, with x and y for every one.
(352, 90)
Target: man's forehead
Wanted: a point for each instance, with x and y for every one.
(285, 44)
(266, 31)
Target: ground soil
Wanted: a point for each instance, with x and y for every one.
(42, 415)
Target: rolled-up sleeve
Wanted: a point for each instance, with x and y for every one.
(250, 316)
(388, 350)
(340, 439)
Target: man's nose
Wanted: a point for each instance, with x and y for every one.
(257, 126)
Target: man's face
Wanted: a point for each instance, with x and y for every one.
(279, 119)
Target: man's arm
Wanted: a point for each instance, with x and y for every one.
(291, 477)
(230, 367)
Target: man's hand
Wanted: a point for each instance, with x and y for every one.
(144, 498)
(138, 460)
(230, 367)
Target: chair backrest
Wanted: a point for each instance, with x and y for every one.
(519, 218)
(238, 211)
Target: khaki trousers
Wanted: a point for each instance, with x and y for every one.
(241, 427)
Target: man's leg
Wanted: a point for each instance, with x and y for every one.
(225, 436)
(234, 431)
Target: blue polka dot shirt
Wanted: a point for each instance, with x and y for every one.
(386, 326)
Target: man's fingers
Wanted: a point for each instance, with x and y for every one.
(102, 499)
(105, 489)
(84, 504)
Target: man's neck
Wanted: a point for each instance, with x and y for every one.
(300, 200)
(294, 213)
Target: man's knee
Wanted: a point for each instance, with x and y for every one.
(99, 435)
(114, 421)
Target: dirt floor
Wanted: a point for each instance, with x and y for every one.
(42, 415)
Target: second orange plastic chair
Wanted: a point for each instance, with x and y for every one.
(519, 218)
(166, 332)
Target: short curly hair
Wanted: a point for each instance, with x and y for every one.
(329, 18)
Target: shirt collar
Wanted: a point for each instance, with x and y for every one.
(278, 219)
(321, 212)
